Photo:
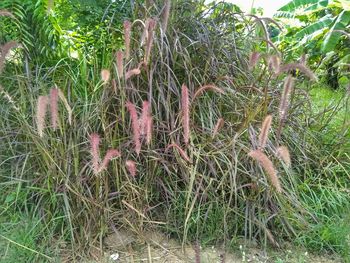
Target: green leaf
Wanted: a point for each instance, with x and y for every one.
(318, 6)
(284, 14)
(295, 4)
(344, 61)
(345, 4)
(323, 23)
(332, 38)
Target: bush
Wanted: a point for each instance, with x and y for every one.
(195, 178)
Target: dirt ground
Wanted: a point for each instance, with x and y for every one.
(156, 248)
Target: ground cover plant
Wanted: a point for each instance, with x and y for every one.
(187, 128)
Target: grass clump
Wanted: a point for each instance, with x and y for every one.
(154, 112)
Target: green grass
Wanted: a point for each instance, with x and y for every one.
(332, 111)
(23, 235)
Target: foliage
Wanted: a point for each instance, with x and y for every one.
(68, 29)
(94, 25)
(38, 32)
(318, 29)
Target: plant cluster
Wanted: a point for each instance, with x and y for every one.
(176, 114)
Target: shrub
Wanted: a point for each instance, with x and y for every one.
(183, 179)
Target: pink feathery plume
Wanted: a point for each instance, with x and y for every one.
(43, 102)
(132, 72)
(284, 103)
(131, 166)
(54, 107)
(181, 151)
(274, 63)
(112, 153)
(303, 59)
(265, 129)
(268, 167)
(135, 126)
(145, 32)
(120, 66)
(149, 129)
(185, 113)
(218, 126)
(283, 154)
(5, 49)
(144, 117)
(207, 87)
(151, 27)
(166, 13)
(114, 85)
(127, 35)
(304, 69)
(253, 60)
(95, 142)
(105, 75)
(4, 12)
